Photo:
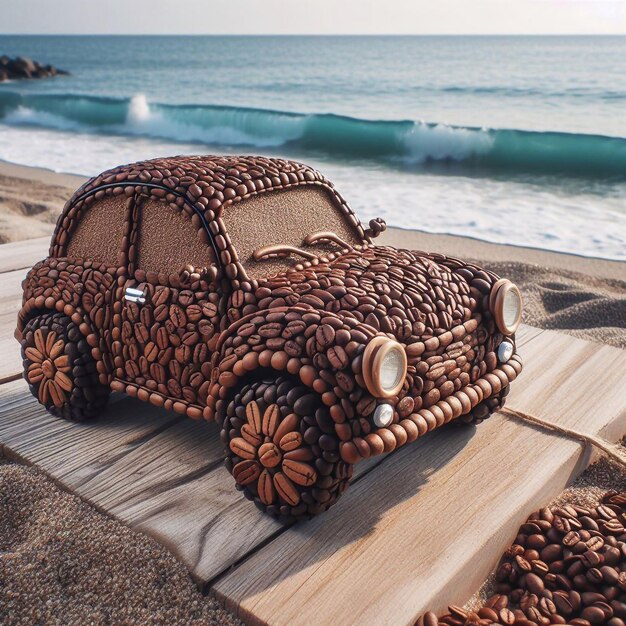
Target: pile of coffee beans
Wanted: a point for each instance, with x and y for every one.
(567, 566)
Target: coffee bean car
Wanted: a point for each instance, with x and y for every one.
(244, 290)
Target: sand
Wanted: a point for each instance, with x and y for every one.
(30, 201)
(62, 561)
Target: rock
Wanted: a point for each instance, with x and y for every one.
(23, 67)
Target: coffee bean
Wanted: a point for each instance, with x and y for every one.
(571, 539)
(177, 316)
(300, 473)
(590, 558)
(286, 489)
(562, 524)
(246, 472)
(290, 441)
(551, 552)
(534, 583)
(540, 567)
(338, 357)
(609, 575)
(429, 619)
(325, 335)
(266, 488)
(595, 543)
(563, 603)
(506, 616)
(593, 614)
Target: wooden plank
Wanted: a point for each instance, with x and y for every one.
(157, 471)
(10, 302)
(205, 522)
(60, 447)
(427, 526)
(23, 254)
(163, 478)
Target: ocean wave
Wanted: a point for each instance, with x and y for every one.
(406, 144)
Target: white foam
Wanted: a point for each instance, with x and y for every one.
(425, 141)
(24, 116)
(216, 126)
(501, 211)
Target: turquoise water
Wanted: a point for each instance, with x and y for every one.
(511, 139)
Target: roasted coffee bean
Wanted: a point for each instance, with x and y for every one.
(177, 316)
(593, 614)
(571, 539)
(338, 357)
(534, 583)
(325, 335)
(595, 543)
(551, 552)
(246, 472)
(506, 616)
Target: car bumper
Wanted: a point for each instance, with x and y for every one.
(408, 428)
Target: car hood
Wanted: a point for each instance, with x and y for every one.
(409, 294)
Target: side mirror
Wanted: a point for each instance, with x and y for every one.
(376, 227)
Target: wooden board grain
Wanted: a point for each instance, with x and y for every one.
(425, 528)
(23, 254)
(10, 302)
(159, 472)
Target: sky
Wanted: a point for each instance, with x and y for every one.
(425, 17)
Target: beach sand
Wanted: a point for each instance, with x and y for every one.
(61, 560)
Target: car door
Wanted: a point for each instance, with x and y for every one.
(169, 317)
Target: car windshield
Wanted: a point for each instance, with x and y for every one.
(285, 219)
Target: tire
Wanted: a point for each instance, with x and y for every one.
(281, 448)
(484, 410)
(60, 370)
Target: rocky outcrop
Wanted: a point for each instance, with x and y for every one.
(23, 67)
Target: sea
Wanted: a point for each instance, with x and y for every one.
(516, 140)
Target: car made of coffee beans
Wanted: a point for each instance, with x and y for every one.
(244, 290)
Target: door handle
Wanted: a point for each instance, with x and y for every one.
(134, 295)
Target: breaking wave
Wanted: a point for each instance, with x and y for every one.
(405, 144)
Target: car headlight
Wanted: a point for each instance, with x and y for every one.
(505, 303)
(384, 367)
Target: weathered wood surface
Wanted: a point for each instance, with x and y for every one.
(418, 529)
(157, 471)
(10, 302)
(23, 254)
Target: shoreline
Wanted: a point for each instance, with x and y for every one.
(64, 185)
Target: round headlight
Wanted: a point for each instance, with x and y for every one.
(384, 367)
(506, 305)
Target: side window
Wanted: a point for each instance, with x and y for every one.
(99, 231)
(167, 240)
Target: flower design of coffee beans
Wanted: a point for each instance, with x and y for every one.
(49, 367)
(56, 356)
(273, 455)
(266, 448)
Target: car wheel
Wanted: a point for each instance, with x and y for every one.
(484, 410)
(281, 448)
(60, 370)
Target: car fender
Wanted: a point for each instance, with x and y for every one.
(322, 349)
(77, 293)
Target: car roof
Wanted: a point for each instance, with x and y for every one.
(209, 184)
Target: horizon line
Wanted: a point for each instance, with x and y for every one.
(39, 34)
